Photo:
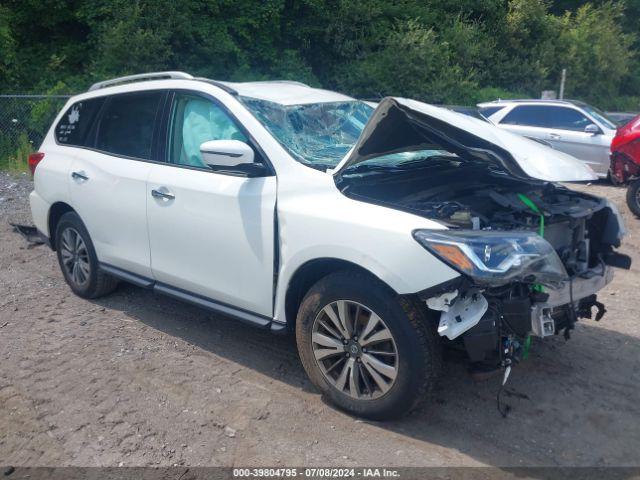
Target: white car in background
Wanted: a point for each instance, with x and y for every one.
(375, 235)
(569, 126)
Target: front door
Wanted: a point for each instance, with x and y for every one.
(211, 234)
(593, 149)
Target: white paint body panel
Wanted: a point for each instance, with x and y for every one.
(51, 178)
(112, 205)
(216, 237)
(50, 185)
(317, 221)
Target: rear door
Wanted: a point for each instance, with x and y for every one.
(108, 179)
(213, 233)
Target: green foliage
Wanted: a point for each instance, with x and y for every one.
(425, 69)
(454, 51)
(596, 52)
(14, 158)
(488, 94)
(7, 47)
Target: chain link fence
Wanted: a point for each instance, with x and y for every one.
(24, 121)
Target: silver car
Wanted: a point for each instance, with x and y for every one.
(569, 126)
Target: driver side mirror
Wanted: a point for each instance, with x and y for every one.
(231, 156)
(592, 129)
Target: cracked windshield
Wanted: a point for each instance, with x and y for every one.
(318, 134)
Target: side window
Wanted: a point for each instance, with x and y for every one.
(569, 119)
(546, 116)
(195, 120)
(529, 115)
(127, 124)
(74, 126)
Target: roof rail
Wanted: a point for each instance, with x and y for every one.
(221, 85)
(141, 77)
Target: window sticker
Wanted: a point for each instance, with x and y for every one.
(77, 121)
(74, 116)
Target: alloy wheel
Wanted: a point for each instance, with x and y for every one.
(75, 257)
(355, 350)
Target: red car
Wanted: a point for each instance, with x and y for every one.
(625, 161)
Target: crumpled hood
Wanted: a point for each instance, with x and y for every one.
(403, 125)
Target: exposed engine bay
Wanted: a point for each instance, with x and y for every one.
(494, 321)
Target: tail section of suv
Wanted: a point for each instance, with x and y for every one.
(378, 236)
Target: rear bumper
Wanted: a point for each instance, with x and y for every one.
(40, 213)
(542, 322)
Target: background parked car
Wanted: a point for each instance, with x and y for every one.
(570, 126)
(625, 161)
(621, 118)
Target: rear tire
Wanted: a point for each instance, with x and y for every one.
(633, 197)
(398, 383)
(78, 260)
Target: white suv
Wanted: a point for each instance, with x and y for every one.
(377, 236)
(570, 126)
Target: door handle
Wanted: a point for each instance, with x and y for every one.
(162, 193)
(554, 136)
(79, 176)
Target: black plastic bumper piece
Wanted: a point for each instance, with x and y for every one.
(482, 340)
(618, 260)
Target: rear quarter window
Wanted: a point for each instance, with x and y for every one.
(486, 112)
(74, 126)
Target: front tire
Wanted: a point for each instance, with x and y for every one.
(369, 351)
(633, 197)
(78, 260)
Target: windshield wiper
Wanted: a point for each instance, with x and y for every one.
(323, 167)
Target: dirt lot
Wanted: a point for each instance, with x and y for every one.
(138, 379)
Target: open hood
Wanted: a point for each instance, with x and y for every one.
(404, 125)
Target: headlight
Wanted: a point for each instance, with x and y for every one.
(494, 258)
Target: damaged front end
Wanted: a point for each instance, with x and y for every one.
(517, 282)
(532, 254)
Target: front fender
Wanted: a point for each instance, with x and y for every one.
(407, 269)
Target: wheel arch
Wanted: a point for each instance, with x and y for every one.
(57, 210)
(308, 274)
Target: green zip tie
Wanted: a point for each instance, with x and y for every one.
(534, 208)
(529, 203)
(525, 347)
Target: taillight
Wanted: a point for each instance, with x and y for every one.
(34, 160)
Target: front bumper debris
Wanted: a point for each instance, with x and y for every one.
(579, 288)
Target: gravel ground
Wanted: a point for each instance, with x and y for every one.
(139, 379)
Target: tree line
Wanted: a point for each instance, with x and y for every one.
(440, 51)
